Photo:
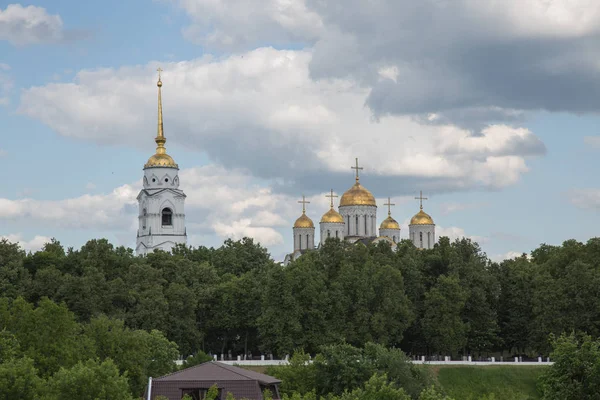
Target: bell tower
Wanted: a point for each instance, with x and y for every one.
(161, 202)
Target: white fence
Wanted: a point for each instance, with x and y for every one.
(468, 361)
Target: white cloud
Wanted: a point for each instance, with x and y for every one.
(262, 112)
(454, 233)
(29, 25)
(592, 141)
(509, 256)
(240, 24)
(98, 211)
(32, 245)
(585, 198)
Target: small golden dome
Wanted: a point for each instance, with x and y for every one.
(161, 160)
(421, 218)
(304, 222)
(389, 223)
(357, 195)
(332, 216)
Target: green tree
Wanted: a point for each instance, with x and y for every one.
(48, 334)
(90, 380)
(442, 324)
(575, 374)
(19, 379)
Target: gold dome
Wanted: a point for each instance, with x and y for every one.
(389, 223)
(332, 216)
(304, 222)
(161, 160)
(357, 195)
(421, 218)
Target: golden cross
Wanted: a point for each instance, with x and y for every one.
(304, 203)
(357, 168)
(159, 71)
(331, 196)
(389, 204)
(421, 198)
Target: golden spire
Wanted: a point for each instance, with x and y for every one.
(331, 196)
(421, 198)
(160, 135)
(389, 204)
(161, 158)
(357, 168)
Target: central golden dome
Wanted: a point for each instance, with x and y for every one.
(332, 216)
(389, 223)
(357, 195)
(304, 222)
(421, 218)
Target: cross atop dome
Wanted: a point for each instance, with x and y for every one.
(304, 203)
(421, 198)
(389, 204)
(357, 168)
(331, 196)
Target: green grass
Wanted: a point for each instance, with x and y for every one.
(505, 382)
(463, 382)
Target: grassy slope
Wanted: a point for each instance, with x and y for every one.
(505, 382)
(470, 383)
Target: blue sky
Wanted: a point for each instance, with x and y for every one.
(490, 110)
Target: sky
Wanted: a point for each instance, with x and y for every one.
(488, 107)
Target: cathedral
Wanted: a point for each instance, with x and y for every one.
(161, 218)
(356, 221)
(161, 202)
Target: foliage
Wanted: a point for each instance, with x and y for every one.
(297, 377)
(91, 380)
(103, 302)
(575, 373)
(198, 358)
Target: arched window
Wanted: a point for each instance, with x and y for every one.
(366, 234)
(356, 227)
(144, 213)
(328, 233)
(394, 239)
(299, 242)
(348, 226)
(428, 240)
(167, 217)
(336, 233)
(421, 239)
(307, 242)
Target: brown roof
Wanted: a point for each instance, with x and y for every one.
(216, 371)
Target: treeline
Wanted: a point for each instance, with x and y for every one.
(451, 300)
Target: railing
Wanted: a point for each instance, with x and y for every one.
(517, 361)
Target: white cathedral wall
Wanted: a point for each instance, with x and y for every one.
(300, 238)
(352, 229)
(332, 227)
(393, 234)
(428, 231)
